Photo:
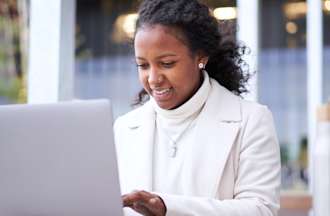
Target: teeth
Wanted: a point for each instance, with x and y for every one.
(164, 91)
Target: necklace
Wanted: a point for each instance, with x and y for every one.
(174, 142)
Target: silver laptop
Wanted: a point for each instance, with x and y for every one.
(58, 160)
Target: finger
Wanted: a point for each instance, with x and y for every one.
(126, 200)
(150, 202)
(139, 196)
(129, 199)
(127, 203)
(153, 202)
(157, 206)
(140, 208)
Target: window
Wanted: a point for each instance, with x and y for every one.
(283, 83)
(326, 59)
(105, 65)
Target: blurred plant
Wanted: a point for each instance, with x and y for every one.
(81, 51)
(303, 159)
(11, 88)
(284, 153)
(13, 49)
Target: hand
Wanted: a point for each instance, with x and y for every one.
(145, 203)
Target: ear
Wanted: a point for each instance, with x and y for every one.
(202, 58)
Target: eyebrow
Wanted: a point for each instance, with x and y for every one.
(158, 57)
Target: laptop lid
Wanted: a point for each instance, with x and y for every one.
(58, 160)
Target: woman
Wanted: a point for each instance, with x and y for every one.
(194, 148)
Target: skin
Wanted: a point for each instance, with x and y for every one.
(145, 203)
(169, 72)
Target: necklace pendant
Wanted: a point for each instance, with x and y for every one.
(173, 151)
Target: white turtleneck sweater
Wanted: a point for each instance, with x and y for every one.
(175, 125)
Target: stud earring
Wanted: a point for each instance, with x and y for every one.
(201, 66)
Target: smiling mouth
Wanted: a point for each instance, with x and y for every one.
(162, 91)
(162, 94)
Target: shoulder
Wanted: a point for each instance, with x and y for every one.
(233, 107)
(253, 109)
(258, 127)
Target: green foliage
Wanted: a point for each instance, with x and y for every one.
(284, 154)
(12, 83)
(13, 89)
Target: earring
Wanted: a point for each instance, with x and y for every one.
(201, 66)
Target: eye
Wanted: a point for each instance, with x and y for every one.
(168, 64)
(142, 66)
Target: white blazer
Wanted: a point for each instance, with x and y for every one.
(233, 168)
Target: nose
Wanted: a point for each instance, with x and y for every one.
(155, 78)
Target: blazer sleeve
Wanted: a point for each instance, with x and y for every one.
(257, 183)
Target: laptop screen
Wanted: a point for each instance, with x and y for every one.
(58, 159)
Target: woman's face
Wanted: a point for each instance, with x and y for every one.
(167, 69)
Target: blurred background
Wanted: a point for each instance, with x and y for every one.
(105, 67)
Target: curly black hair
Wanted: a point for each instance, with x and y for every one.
(203, 33)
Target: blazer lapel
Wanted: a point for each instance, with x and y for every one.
(216, 132)
(139, 150)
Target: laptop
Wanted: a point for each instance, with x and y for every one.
(58, 160)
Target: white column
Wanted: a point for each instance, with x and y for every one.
(314, 72)
(248, 32)
(51, 51)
